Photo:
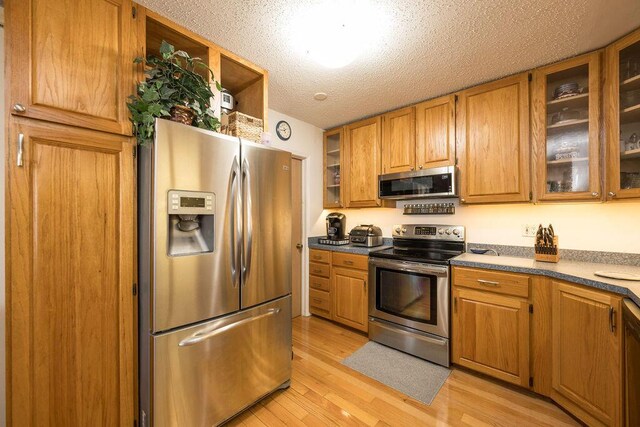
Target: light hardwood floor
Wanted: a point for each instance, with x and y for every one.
(324, 392)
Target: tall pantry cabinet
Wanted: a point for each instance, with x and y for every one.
(70, 219)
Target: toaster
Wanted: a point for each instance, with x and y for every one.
(366, 235)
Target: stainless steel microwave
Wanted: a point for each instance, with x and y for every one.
(421, 184)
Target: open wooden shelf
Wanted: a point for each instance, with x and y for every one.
(631, 83)
(631, 154)
(333, 186)
(576, 101)
(335, 165)
(630, 114)
(336, 151)
(567, 161)
(568, 124)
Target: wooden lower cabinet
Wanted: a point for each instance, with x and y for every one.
(70, 270)
(491, 334)
(320, 301)
(587, 346)
(350, 302)
(558, 339)
(338, 287)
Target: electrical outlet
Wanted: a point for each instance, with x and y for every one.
(529, 230)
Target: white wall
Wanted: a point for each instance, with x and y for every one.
(613, 226)
(305, 142)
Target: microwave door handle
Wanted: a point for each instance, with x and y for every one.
(246, 187)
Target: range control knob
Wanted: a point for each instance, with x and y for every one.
(448, 231)
(397, 229)
(404, 230)
(456, 231)
(441, 231)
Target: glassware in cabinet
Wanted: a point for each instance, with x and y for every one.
(566, 129)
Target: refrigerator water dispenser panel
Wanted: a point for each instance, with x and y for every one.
(191, 222)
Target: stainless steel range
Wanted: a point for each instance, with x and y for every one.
(409, 290)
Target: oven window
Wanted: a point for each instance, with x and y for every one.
(412, 296)
(432, 184)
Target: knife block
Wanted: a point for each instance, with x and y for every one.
(547, 253)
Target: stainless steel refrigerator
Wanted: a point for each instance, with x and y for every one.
(214, 275)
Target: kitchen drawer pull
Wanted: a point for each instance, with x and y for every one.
(612, 321)
(317, 300)
(347, 262)
(488, 282)
(317, 271)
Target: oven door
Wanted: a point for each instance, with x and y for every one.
(411, 294)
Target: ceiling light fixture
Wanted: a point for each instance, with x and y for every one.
(320, 96)
(335, 32)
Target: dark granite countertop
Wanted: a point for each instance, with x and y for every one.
(572, 271)
(359, 250)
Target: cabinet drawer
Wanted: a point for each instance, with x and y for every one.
(322, 257)
(320, 312)
(492, 281)
(321, 270)
(319, 299)
(359, 262)
(319, 283)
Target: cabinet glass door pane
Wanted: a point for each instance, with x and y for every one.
(630, 117)
(332, 162)
(567, 148)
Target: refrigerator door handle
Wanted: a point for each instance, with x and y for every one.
(236, 231)
(205, 334)
(246, 178)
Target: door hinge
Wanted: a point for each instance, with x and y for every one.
(531, 308)
(530, 381)
(455, 98)
(530, 77)
(134, 12)
(134, 289)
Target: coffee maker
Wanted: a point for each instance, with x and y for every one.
(336, 226)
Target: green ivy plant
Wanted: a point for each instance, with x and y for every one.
(171, 80)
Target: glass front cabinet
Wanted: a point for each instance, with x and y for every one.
(566, 129)
(622, 115)
(332, 153)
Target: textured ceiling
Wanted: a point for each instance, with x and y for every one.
(432, 47)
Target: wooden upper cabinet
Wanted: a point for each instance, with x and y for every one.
(70, 263)
(493, 141)
(362, 161)
(71, 62)
(399, 141)
(622, 117)
(587, 342)
(566, 129)
(333, 165)
(435, 133)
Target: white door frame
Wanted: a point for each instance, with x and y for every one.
(304, 282)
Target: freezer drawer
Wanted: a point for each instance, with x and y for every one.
(207, 373)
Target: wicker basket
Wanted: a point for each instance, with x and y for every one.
(242, 125)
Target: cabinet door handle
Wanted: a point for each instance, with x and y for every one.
(595, 194)
(488, 282)
(612, 319)
(19, 108)
(612, 194)
(19, 161)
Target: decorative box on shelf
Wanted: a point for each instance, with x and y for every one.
(241, 125)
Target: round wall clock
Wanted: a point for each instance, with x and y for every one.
(283, 129)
